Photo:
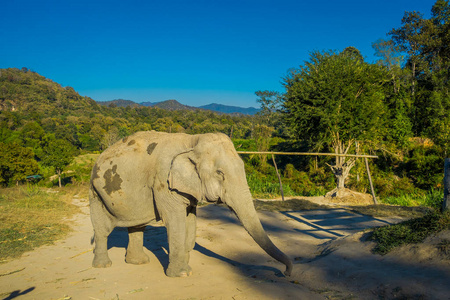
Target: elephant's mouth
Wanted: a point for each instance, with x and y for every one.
(215, 201)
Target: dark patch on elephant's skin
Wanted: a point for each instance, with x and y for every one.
(132, 142)
(112, 180)
(95, 171)
(125, 139)
(151, 147)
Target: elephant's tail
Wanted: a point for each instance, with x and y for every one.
(92, 239)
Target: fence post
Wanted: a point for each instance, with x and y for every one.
(446, 203)
(279, 177)
(370, 181)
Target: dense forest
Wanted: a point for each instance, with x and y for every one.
(396, 108)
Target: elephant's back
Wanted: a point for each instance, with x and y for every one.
(124, 173)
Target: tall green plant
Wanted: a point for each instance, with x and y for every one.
(58, 154)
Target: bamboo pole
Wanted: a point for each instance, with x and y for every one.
(307, 153)
(446, 202)
(279, 177)
(370, 181)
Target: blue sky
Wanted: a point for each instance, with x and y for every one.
(197, 52)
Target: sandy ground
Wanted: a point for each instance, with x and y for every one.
(331, 259)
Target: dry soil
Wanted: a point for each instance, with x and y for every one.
(331, 261)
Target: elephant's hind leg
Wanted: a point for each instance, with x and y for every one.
(135, 250)
(102, 228)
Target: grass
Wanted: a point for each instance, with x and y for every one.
(409, 232)
(432, 198)
(267, 187)
(31, 216)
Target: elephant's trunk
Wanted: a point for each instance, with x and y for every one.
(245, 211)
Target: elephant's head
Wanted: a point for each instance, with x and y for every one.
(213, 170)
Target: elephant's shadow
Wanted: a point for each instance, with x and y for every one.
(155, 240)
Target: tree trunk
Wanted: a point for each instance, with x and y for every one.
(59, 177)
(413, 82)
(340, 181)
(446, 202)
(343, 165)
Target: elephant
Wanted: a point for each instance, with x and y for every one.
(155, 176)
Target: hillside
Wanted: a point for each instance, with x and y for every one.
(27, 91)
(35, 109)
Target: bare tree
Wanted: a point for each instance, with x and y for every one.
(342, 166)
(110, 137)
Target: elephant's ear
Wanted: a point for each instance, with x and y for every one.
(183, 176)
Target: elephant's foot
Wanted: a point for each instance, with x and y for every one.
(177, 271)
(101, 261)
(137, 258)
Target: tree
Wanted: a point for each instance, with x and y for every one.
(16, 163)
(262, 134)
(59, 154)
(270, 102)
(409, 38)
(270, 113)
(426, 42)
(334, 99)
(110, 137)
(391, 58)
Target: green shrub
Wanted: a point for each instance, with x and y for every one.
(390, 185)
(433, 198)
(244, 145)
(261, 186)
(425, 166)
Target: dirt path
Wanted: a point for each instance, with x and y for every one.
(228, 264)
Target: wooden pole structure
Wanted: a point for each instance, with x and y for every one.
(370, 181)
(446, 202)
(279, 177)
(326, 154)
(306, 153)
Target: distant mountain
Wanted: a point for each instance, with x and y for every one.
(175, 105)
(172, 105)
(230, 109)
(119, 103)
(167, 105)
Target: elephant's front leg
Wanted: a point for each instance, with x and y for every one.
(175, 222)
(191, 230)
(135, 250)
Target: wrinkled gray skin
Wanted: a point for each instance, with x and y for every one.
(151, 176)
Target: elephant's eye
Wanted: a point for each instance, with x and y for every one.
(220, 173)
